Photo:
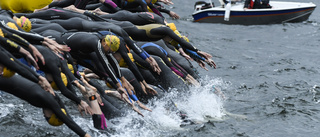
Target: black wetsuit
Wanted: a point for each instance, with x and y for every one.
(150, 32)
(133, 4)
(156, 50)
(26, 88)
(82, 44)
(183, 62)
(141, 18)
(85, 25)
(53, 67)
(53, 13)
(166, 79)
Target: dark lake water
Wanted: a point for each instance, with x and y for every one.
(268, 73)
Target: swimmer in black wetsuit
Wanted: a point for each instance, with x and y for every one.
(144, 4)
(167, 78)
(85, 25)
(139, 18)
(25, 38)
(36, 96)
(54, 68)
(180, 60)
(81, 4)
(83, 44)
(153, 32)
(154, 49)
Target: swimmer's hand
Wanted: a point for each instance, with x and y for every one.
(149, 89)
(29, 58)
(71, 7)
(84, 106)
(192, 81)
(126, 84)
(36, 54)
(43, 82)
(174, 15)
(122, 92)
(211, 63)
(204, 54)
(202, 64)
(55, 47)
(87, 135)
(154, 65)
(186, 56)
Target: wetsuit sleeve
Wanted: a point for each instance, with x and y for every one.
(184, 44)
(141, 63)
(122, 50)
(132, 45)
(94, 16)
(110, 4)
(13, 64)
(28, 36)
(194, 55)
(161, 8)
(63, 3)
(154, 9)
(71, 61)
(66, 71)
(16, 38)
(9, 44)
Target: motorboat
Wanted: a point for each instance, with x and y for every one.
(234, 13)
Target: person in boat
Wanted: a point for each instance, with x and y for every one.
(256, 4)
(34, 89)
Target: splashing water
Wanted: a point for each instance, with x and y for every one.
(198, 103)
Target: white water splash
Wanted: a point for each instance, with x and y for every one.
(197, 103)
(5, 109)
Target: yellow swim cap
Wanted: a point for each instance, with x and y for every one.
(12, 25)
(24, 23)
(1, 33)
(54, 120)
(113, 42)
(154, 1)
(64, 79)
(7, 73)
(71, 68)
(172, 26)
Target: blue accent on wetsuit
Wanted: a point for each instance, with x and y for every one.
(145, 2)
(24, 61)
(133, 97)
(106, 33)
(194, 54)
(155, 45)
